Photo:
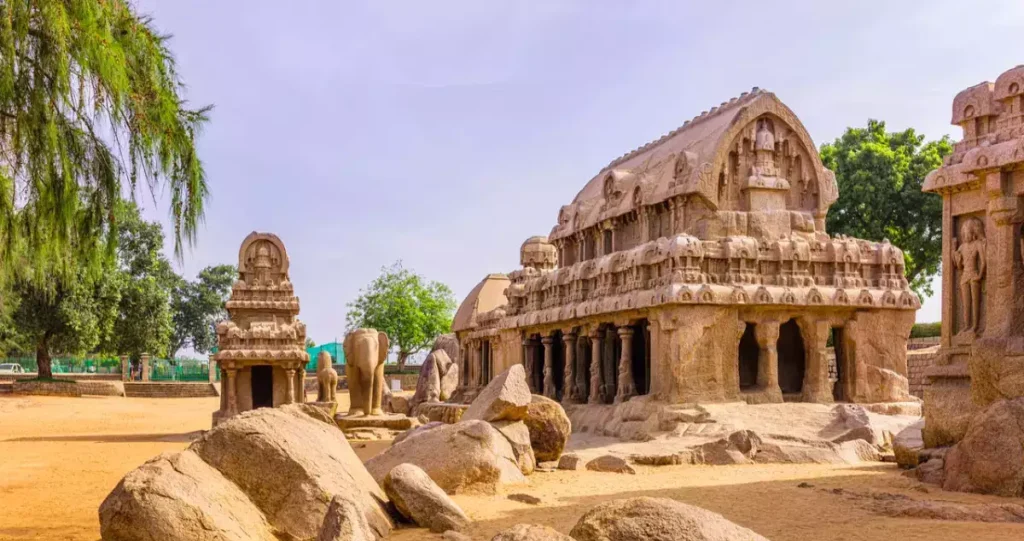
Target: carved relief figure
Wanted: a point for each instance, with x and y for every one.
(969, 257)
(365, 353)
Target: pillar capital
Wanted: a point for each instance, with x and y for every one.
(625, 331)
(568, 337)
(595, 333)
(547, 339)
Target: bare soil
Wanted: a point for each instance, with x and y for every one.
(59, 457)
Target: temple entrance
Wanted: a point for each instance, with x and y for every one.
(839, 388)
(262, 377)
(641, 357)
(612, 349)
(792, 358)
(536, 374)
(748, 358)
(485, 361)
(582, 370)
(558, 364)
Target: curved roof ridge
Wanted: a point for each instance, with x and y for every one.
(704, 115)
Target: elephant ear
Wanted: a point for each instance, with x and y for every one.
(346, 346)
(385, 346)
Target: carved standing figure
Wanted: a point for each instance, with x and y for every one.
(365, 353)
(326, 377)
(969, 257)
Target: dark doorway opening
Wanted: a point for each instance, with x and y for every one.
(582, 370)
(262, 377)
(610, 362)
(792, 358)
(537, 366)
(485, 361)
(748, 357)
(641, 357)
(839, 388)
(558, 363)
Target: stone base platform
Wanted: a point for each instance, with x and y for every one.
(391, 422)
(46, 388)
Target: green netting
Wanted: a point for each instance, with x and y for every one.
(334, 348)
(178, 370)
(70, 365)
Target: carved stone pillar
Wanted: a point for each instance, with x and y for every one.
(609, 365)
(569, 387)
(145, 367)
(627, 387)
(300, 385)
(767, 335)
(289, 386)
(232, 384)
(582, 370)
(126, 368)
(213, 371)
(549, 369)
(595, 366)
(815, 336)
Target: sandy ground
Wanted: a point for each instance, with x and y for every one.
(59, 457)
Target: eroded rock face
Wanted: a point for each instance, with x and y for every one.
(177, 496)
(610, 463)
(416, 430)
(311, 463)
(739, 448)
(570, 461)
(530, 532)
(644, 519)
(505, 398)
(549, 428)
(990, 458)
(419, 499)
(345, 522)
(518, 437)
(439, 376)
(469, 455)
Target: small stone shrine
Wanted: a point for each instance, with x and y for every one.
(697, 268)
(261, 346)
(981, 357)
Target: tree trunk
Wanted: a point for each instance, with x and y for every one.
(45, 371)
(402, 356)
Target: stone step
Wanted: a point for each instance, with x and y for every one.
(151, 389)
(7, 387)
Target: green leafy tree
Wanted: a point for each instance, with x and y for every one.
(89, 99)
(880, 176)
(198, 306)
(145, 279)
(403, 304)
(310, 343)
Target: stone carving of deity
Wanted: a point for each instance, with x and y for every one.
(262, 264)
(764, 149)
(969, 258)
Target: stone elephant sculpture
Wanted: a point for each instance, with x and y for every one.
(326, 377)
(365, 353)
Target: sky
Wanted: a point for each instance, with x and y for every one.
(445, 133)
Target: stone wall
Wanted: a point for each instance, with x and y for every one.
(46, 388)
(101, 388)
(408, 381)
(918, 360)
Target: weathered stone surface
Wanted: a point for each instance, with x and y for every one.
(549, 427)
(570, 461)
(505, 398)
(399, 404)
(452, 535)
(930, 472)
(311, 462)
(812, 452)
(524, 498)
(417, 430)
(948, 409)
(530, 532)
(419, 499)
(610, 463)
(872, 435)
(990, 458)
(391, 422)
(438, 411)
(943, 510)
(907, 444)
(644, 519)
(739, 448)
(177, 496)
(439, 376)
(345, 522)
(518, 437)
(365, 353)
(469, 455)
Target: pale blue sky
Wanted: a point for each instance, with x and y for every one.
(445, 133)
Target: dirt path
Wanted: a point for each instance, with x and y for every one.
(60, 457)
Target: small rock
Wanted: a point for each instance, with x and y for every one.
(344, 522)
(550, 464)
(452, 535)
(642, 519)
(549, 427)
(805, 485)
(418, 498)
(670, 459)
(524, 498)
(530, 532)
(610, 463)
(570, 461)
(930, 472)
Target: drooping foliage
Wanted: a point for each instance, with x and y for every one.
(880, 175)
(411, 310)
(91, 106)
(197, 307)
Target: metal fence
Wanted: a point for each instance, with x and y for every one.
(70, 365)
(179, 370)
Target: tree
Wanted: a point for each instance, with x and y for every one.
(145, 279)
(880, 176)
(310, 343)
(89, 98)
(403, 304)
(198, 306)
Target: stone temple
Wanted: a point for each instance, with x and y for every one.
(981, 357)
(697, 268)
(261, 348)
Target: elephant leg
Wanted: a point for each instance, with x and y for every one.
(367, 392)
(333, 386)
(355, 393)
(378, 390)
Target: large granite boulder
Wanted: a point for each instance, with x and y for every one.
(518, 437)
(505, 398)
(419, 499)
(468, 455)
(643, 519)
(439, 376)
(345, 522)
(990, 458)
(178, 497)
(291, 465)
(549, 428)
(530, 532)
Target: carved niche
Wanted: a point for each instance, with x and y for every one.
(969, 260)
(262, 260)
